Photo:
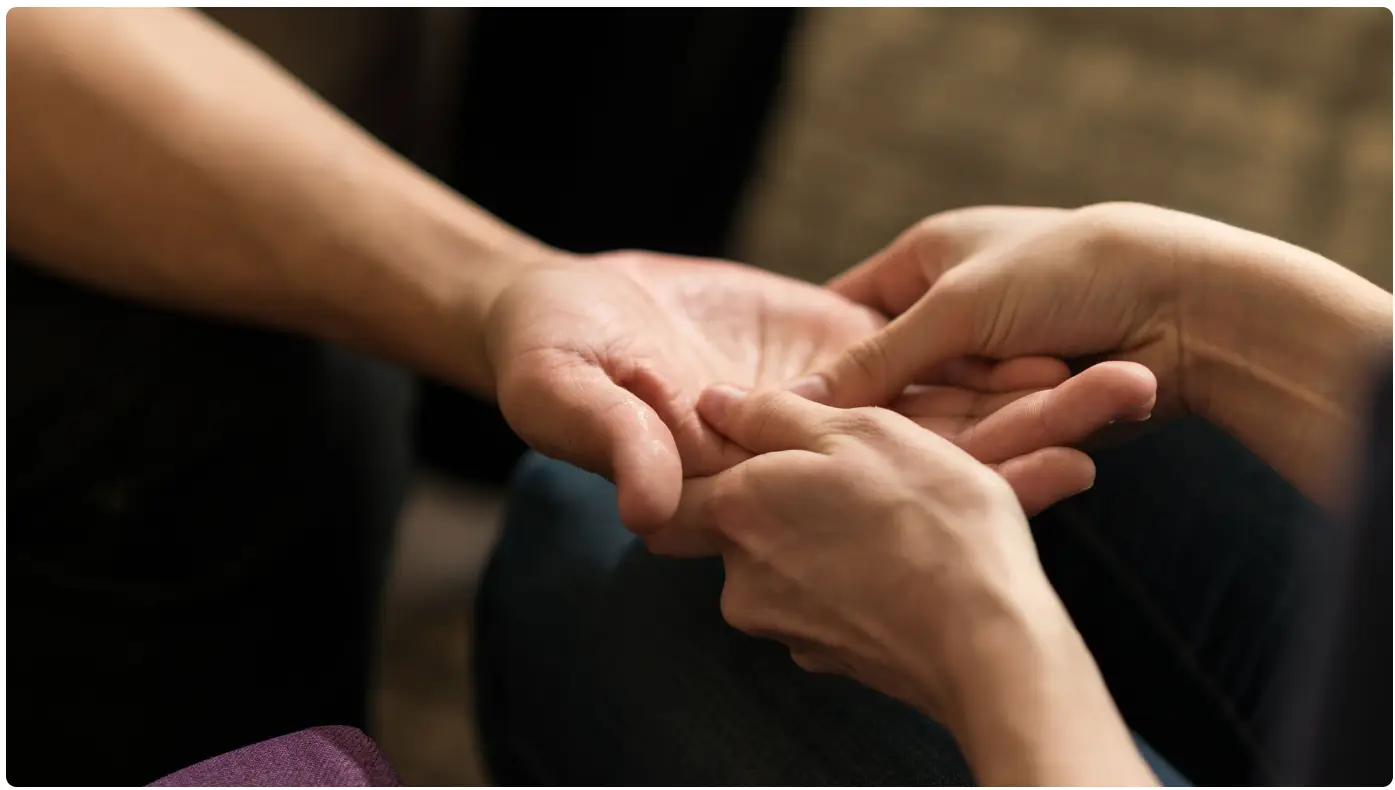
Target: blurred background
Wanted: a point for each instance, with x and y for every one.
(803, 141)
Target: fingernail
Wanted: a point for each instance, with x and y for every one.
(1145, 417)
(717, 399)
(814, 388)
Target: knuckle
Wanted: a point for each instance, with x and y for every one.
(931, 236)
(809, 662)
(725, 508)
(988, 487)
(772, 402)
(736, 608)
(763, 412)
(1106, 230)
(939, 228)
(868, 425)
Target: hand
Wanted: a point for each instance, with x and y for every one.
(1003, 427)
(880, 551)
(1012, 419)
(1007, 282)
(1266, 340)
(600, 360)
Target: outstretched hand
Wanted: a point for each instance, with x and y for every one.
(600, 361)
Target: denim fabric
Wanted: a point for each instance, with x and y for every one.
(1189, 568)
(598, 663)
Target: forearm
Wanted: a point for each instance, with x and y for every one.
(153, 154)
(1278, 353)
(1024, 698)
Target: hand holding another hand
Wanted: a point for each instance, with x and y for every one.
(600, 361)
(1266, 340)
(1005, 282)
(879, 550)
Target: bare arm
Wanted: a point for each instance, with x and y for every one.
(1278, 347)
(153, 154)
(1029, 707)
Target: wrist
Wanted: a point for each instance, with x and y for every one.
(1028, 707)
(1250, 303)
(1004, 632)
(1277, 347)
(442, 264)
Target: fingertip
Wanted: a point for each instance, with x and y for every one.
(716, 402)
(648, 483)
(1135, 385)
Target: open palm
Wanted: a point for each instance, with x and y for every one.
(601, 363)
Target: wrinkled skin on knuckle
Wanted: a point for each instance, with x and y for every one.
(867, 426)
(764, 412)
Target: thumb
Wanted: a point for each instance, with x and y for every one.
(576, 413)
(873, 372)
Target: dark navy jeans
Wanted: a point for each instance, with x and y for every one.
(598, 663)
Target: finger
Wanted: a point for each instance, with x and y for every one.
(675, 541)
(576, 413)
(1124, 389)
(764, 422)
(988, 375)
(940, 404)
(1065, 415)
(1044, 477)
(714, 512)
(872, 372)
(896, 276)
(694, 529)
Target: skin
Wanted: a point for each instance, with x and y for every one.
(151, 154)
(881, 551)
(886, 554)
(1267, 340)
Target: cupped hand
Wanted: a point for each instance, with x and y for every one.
(600, 361)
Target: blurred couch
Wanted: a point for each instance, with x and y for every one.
(1278, 120)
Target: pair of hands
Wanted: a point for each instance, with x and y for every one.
(878, 549)
(601, 362)
(604, 362)
(879, 543)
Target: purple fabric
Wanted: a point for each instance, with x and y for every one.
(317, 757)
